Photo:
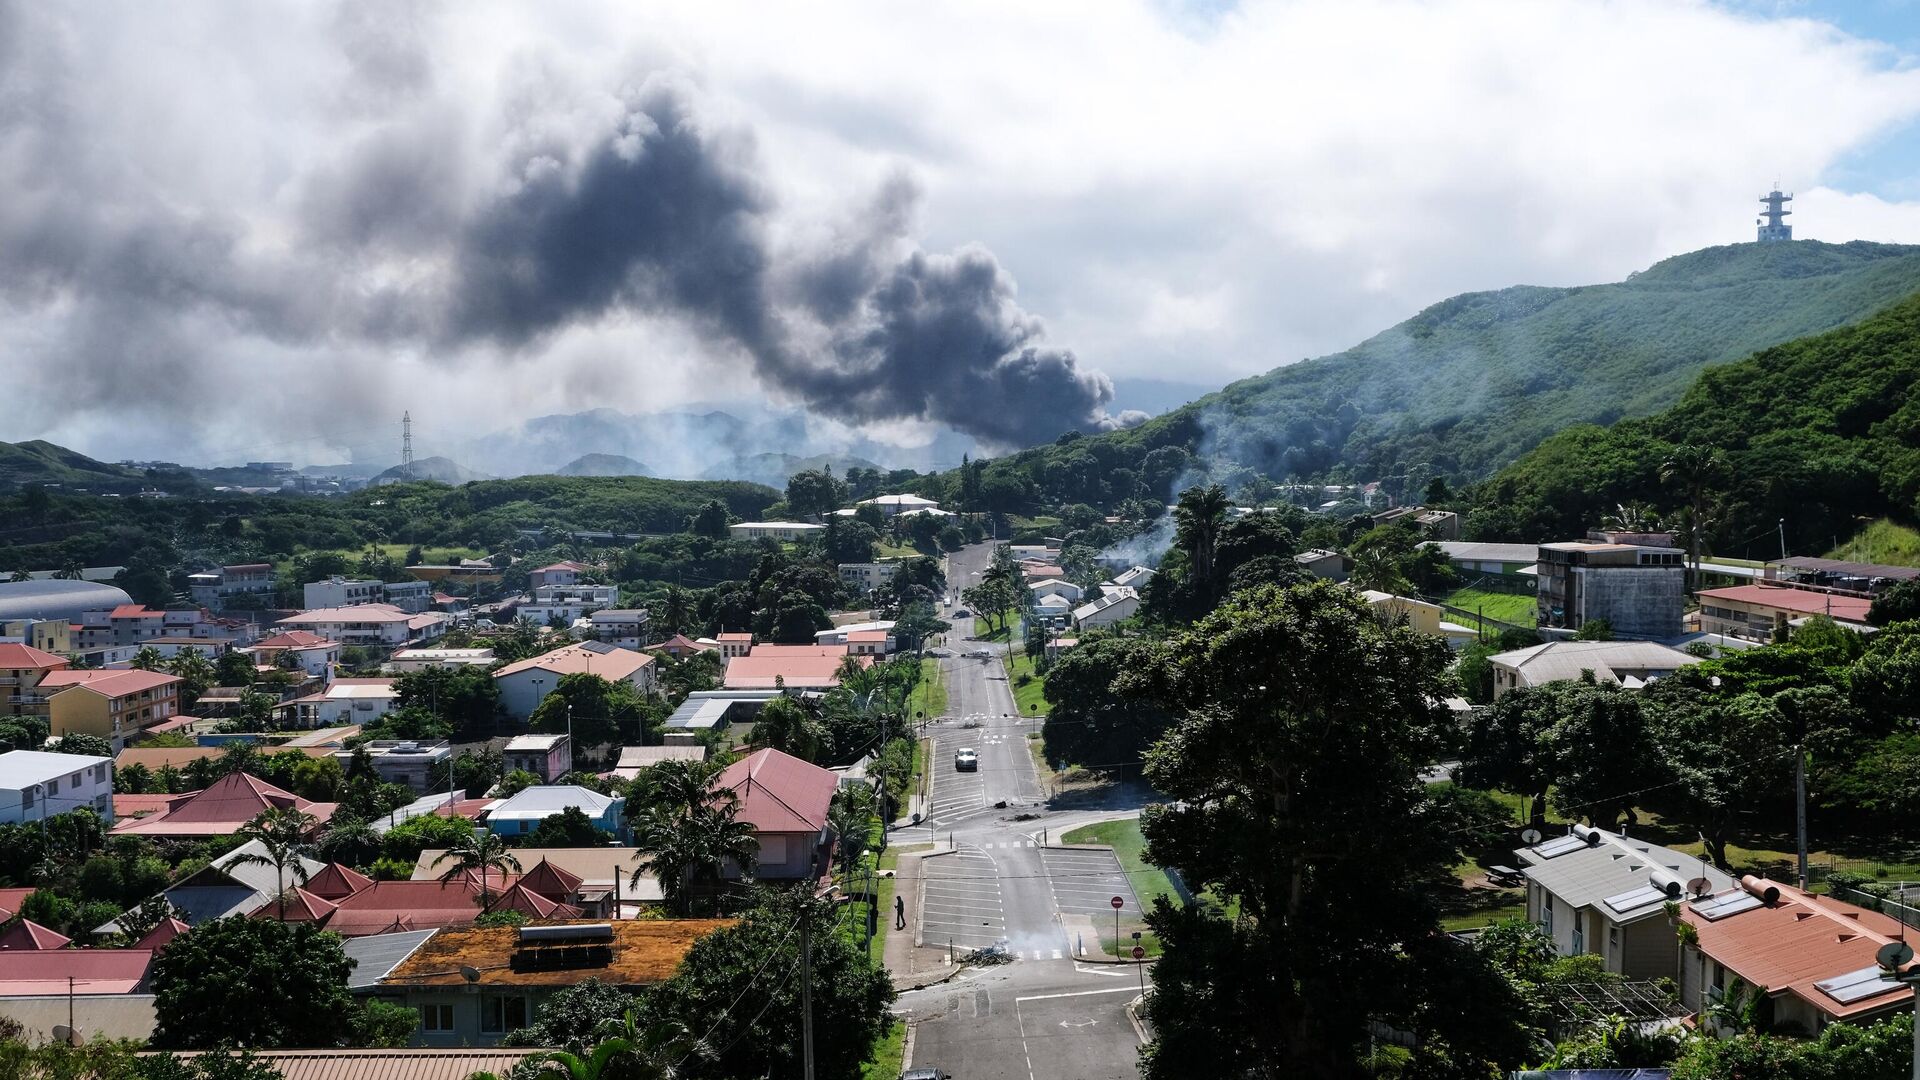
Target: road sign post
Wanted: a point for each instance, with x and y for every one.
(1118, 902)
(1139, 960)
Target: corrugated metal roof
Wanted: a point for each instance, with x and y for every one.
(405, 1064)
(1799, 941)
(375, 955)
(1587, 876)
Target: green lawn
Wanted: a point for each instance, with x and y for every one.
(1149, 881)
(1029, 697)
(1516, 608)
(1881, 542)
(889, 1055)
(930, 696)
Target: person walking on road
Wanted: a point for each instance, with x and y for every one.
(899, 913)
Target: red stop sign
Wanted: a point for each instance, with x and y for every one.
(1117, 903)
(1139, 953)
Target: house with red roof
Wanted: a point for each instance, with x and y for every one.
(116, 704)
(10, 901)
(561, 573)
(63, 972)
(680, 646)
(30, 936)
(1812, 959)
(785, 799)
(1753, 611)
(379, 907)
(219, 810)
(21, 669)
(312, 653)
(794, 667)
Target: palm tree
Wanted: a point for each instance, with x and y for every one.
(681, 851)
(1198, 519)
(479, 850)
(1376, 568)
(1693, 467)
(675, 610)
(148, 659)
(20, 576)
(654, 1052)
(282, 832)
(851, 815)
(349, 840)
(787, 725)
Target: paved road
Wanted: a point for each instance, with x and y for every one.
(1043, 1016)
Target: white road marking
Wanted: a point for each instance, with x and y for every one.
(1075, 993)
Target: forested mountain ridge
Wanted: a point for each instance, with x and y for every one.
(40, 462)
(1819, 432)
(1471, 383)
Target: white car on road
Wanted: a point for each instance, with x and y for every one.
(966, 759)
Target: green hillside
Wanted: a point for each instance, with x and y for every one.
(1473, 382)
(1823, 432)
(41, 462)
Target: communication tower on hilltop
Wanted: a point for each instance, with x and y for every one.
(406, 444)
(1773, 229)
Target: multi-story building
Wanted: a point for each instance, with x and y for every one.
(310, 652)
(22, 667)
(117, 704)
(137, 624)
(380, 626)
(216, 589)
(1640, 591)
(338, 592)
(628, 628)
(35, 785)
(47, 635)
(773, 530)
(867, 576)
(1759, 612)
(401, 761)
(560, 573)
(568, 603)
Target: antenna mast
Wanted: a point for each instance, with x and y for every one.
(406, 443)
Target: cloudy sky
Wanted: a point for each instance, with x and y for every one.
(247, 230)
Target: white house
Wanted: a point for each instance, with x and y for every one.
(35, 785)
(568, 603)
(842, 635)
(523, 685)
(560, 573)
(628, 628)
(1133, 577)
(409, 596)
(892, 505)
(1595, 891)
(402, 761)
(1110, 608)
(1061, 587)
(344, 702)
(314, 654)
(776, 530)
(524, 812)
(422, 659)
(376, 625)
(1631, 664)
(867, 576)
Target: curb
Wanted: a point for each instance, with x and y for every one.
(1133, 1017)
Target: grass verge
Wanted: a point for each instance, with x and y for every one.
(1516, 608)
(889, 1055)
(930, 696)
(1881, 542)
(1030, 695)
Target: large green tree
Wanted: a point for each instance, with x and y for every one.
(1294, 779)
(602, 711)
(252, 983)
(1089, 723)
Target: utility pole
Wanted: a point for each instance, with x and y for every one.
(1800, 805)
(806, 993)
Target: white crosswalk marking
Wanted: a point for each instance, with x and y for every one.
(1056, 954)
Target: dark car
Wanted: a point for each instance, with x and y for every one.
(925, 1074)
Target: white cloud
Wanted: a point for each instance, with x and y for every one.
(1229, 194)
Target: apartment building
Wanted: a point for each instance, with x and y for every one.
(1639, 591)
(629, 628)
(215, 589)
(338, 592)
(117, 704)
(867, 576)
(35, 785)
(380, 626)
(568, 603)
(1758, 612)
(22, 667)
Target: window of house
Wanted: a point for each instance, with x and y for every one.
(53, 786)
(500, 1013)
(1613, 937)
(1546, 916)
(436, 1018)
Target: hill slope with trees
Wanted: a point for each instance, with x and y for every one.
(1471, 383)
(1821, 433)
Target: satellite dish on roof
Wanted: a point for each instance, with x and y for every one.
(1529, 837)
(471, 974)
(1700, 886)
(1894, 955)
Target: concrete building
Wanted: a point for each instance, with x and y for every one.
(842, 635)
(560, 573)
(865, 577)
(1595, 891)
(568, 603)
(338, 592)
(628, 628)
(310, 652)
(216, 589)
(35, 785)
(734, 645)
(401, 761)
(1640, 592)
(47, 635)
(379, 626)
(137, 625)
(115, 704)
(1632, 664)
(523, 812)
(421, 659)
(524, 684)
(895, 505)
(1758, 612)
(1327, 565)
(342, 703)
(548, 757)
(1498, 560)
(1439, 524)
(773, 530)
(1423, 616)
(21, 669)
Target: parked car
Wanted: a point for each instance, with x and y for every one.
(925, 1074)
(962, 613)
(966, 759)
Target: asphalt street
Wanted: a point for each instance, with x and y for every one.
(1042, 1015)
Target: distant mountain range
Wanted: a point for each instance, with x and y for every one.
(604, 465)
(42, 462)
